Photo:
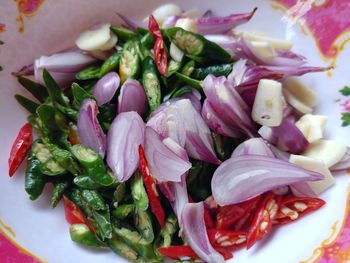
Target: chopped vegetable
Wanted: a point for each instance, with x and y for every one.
(20, 148)
(208, 144)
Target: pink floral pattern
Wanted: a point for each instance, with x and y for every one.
(27, 8)
(10, 251)
(327, 21)
(2, 27)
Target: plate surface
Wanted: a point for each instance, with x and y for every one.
(319, 30)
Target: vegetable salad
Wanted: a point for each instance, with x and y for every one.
(177, 137)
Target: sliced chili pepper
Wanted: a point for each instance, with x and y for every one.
(151, 188)
(226, 253)
(227, 239)
(293, 208)
(160, 54)
(73, 213)
(263, 218)
(230, 214)
(208, 219)
(20, 148)
(154, 27)
(176, 252)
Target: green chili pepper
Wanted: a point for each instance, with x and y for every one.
(93, 164)
(86, 182)
(93, 199)
(119, 194)
(79, 95)
(138, 192)
(101, 221)
(124, 34)
(217, 70)
(136, 242)
(48, 165)
(173, 67)
(129, 65)
(54, 90)
(37, 90)
(197, 45)
(110, 64)
(123, 211)
(34, 179)
(33, 120)
(81, 234)
(181, 92)
(119, 247)
(151, 83)
(58, 191)
(166, 234)
(67, 111)
(28, 104)
(63, 157)
(147, 40)
(91, 72)
(190, 81)
(75, 195)
(143, 223)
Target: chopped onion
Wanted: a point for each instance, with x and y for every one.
(124, 137)
(290, 136)
(216, 124)
(241, 178)
(164, 164)
(218, 25)
(132, 98)
(228, 104)
(106, 87)
(199, 143)
(196, 233)
(89, 130)
(255, 146)
(62, 66)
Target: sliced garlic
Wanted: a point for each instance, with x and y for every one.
(263, 49)
(176, 53)
(268, 103)
(94, 39)
(110, 43)
(164, 11)
(317, 166)
(312, 126)
(329, 151)
(257, 36)
(187, 23)
(300, 97)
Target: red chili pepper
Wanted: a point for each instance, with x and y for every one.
(263, 218)
(230, 214)
(227, 239)
(176, 252)
(20, 148)
(208, 219)
(226, 253)
(74, 215)
(160, 54)
(151, 188)
(293, 208)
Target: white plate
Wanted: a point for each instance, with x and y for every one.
(54, 25)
